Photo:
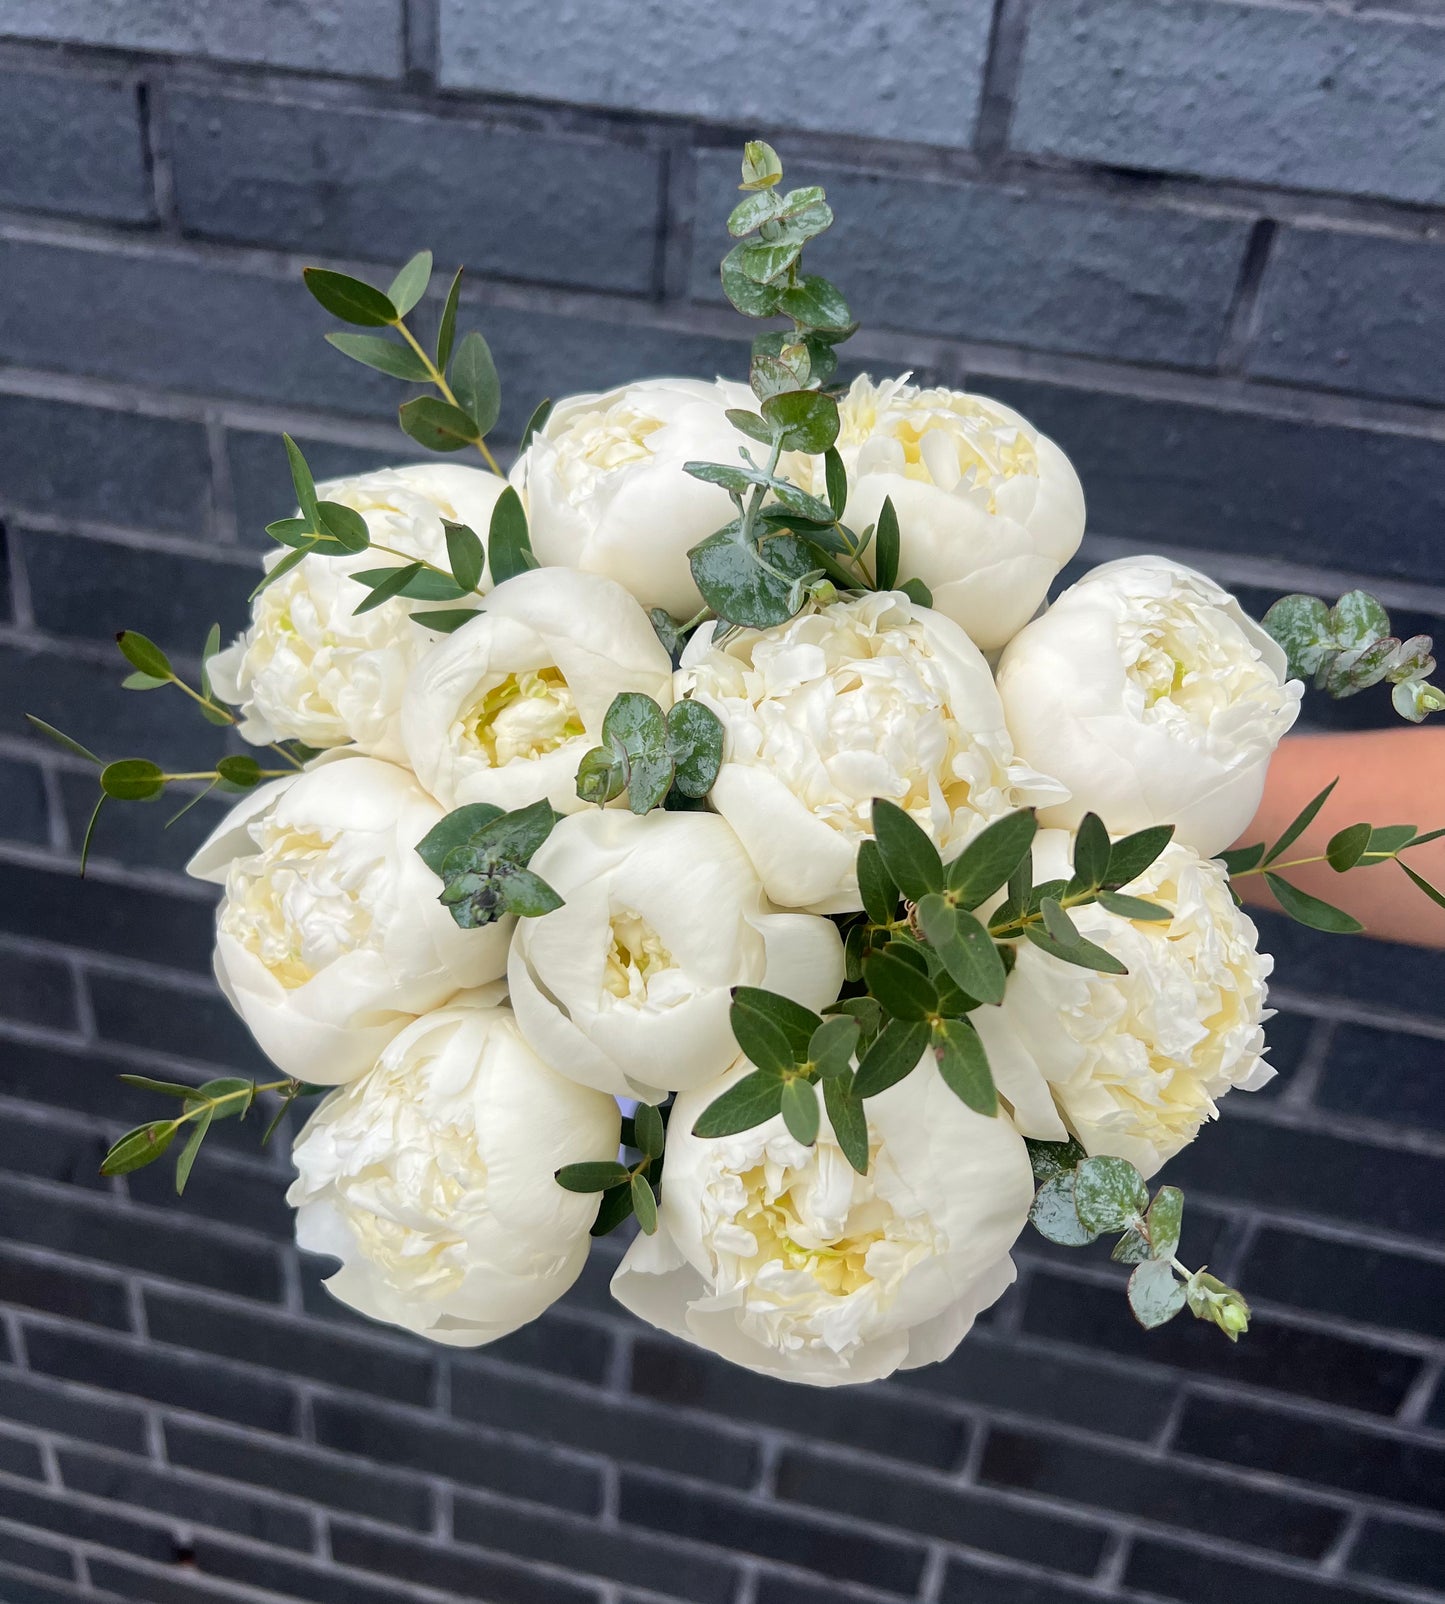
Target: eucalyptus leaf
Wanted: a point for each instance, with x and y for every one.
(1346, 847)
(895, 1052)
(526, 894)
(186, 1162)
(144, 654)
(1050, 1159)
(393, 585)
(816, 303)
(991, 857)
(447, 326)
(65, 742)
(1055, 1216)
(1165, 1220)
(846, 1115)
(465, 556)
(343, 525)
(739, 589)
(964, 947)
(963, 1064)
(133, 779)
(751, 1101)
(537, 422)
(349, 298)
(797, 1024)
(648, 1129)
(593, 1176)
(695, 744)
(908, 853)
(385, 356)
(875, 885)
(763, 1042)
(1422, 884)
(238, 768)
(1091, 855)
(508, 542)
(832, 1045)
(751, 298)
(644, 1204)
(904, 992)
(800, 1111)
(1109, 1194)
(1311, 911)
(410, 284)
(1156, 1294)
(807, 420)
(445, 620)
(437, 424)
(139, 1147)
(1131, 855)
(1301, 822)
(1116, 902)
(474, 382)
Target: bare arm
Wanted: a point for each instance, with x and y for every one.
(1386, 777)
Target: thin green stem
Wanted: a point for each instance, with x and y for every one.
(439, 379)
(407, 557)
(215, 774)
(201, 1105)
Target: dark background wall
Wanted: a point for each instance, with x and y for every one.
(1197, 242)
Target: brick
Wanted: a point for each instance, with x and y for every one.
(875, 1421)
(380, 186)
(149, 473)
(34, 1556)
(97, 169)
(319, 1478)
(27, 814)
(1317, 1364)
(1061, 1387)
(1306, 99)
(1097, 276)
(625, 1556)
(1352, 312)
(967, 1583)
(143, 837)
(87, 589)
(1173, 1494)
(85, 700)
(164, 1375)
(773, 1587)
(914, 73)
(1332, 1455)
(1400, 1553)
(56, 905)
(603, 1425)
(127, 1481)
(1385, 1075)
(1169, 473)
(140, 1238)
(50, 1150)
(240, 1195)
(471, 1575)
(28, 1589)
(294, 1347)
(1288, 1037)
(1178, 1573)
(1313, 1172)
(363, 38)
(64, 1289)
(195, 327)
(285, 1574)
(19, 1457)
(56, 1513)
(1366, 1284)
(52, 1406)
(1378, 973)
(555, 1343)
(179, 1021)
(840, 1550)
(37, 991)
(80, 1080)
(933, 1508)
(517, 1469)
(179, 1585)
(261, 487)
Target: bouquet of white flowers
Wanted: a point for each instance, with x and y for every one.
(709, 823)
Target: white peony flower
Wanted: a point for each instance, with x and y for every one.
(1148, 692)
(989, 510)
(503, 710)
(605, 488)
(1133, 1065)
(627, 986)
(874, 696)
(330, 938)
(781, 1258)
(309, 667)
(431, 1178)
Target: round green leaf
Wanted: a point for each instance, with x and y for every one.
(695, 740)
(133, 779)
(818, 304)
(507, 538)
(385, 356)
(909, 854)
(1054, 1215)
(474, 381)
(592, 1177)
(895, 1052)
(647, 1127)
(409, 285)
(139, 1147)
(1347, 847)
(436, 424)
(751, 1101)
(807, 420)
(1156, 1294)
(644, 1204)
(239, 769)
(465, 556)
(1109, 1194)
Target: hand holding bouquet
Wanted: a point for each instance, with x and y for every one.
(709, 823)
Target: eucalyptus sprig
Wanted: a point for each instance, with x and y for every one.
(228, 1097)
(659, 759)
(1080, 1199)
(626, 1189)
(786, 545)
(323, 528)
(469, 401)
(481, 855)
(1357, 846)
(1346, 648)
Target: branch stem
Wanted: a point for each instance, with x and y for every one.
(438, 378)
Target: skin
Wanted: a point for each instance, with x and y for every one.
(1392, 776)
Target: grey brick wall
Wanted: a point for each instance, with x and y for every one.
(1196, 240)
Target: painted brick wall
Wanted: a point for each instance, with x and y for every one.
(1199, 242)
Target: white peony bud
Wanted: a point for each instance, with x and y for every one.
(989, 510)
(432, 1178)
(1148, 692)
(330, 938)
(627, 986)
(782, 1258)
(1134, 1064)
(605, 488)
(310, 668)
(503, 710)
(873, 696)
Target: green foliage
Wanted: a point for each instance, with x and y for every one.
(481, 855)
(508, 539)
(649, 753)
(1346, 648)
